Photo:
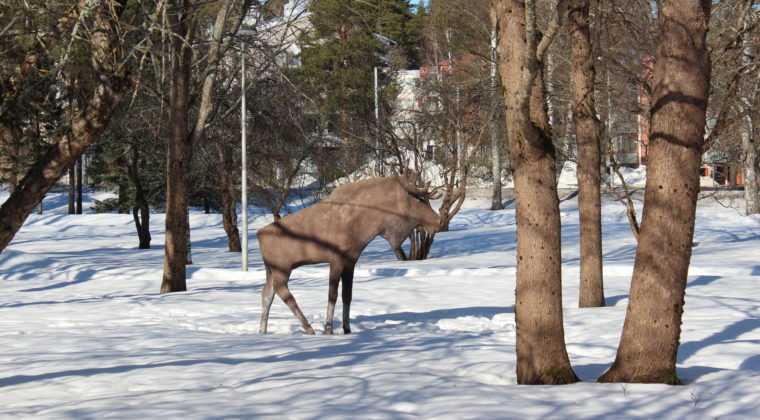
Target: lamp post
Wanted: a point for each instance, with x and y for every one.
(377, 125)
(243, 156)
(243, 164)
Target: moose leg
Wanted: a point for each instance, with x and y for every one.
(280, 283)
(267, 297)
(347, 293)
(332, 296)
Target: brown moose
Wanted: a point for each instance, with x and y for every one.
(335, 231)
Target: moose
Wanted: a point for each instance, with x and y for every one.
(335, 231)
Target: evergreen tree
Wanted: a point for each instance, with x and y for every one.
(337, 59)
(396, 21)
(339, 54)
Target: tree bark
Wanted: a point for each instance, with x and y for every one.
(142, 221)
(749, 150)
(587, 135)
(180, 146)
(750, 161)
(229, 215)
(141, 209)
(79, 184)
(178, 152)
(496, 198)
(111, 83)
(650, 338)
(72, 189)
(541, 354)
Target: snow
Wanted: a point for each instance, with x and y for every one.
(634, 177)
(84, 332)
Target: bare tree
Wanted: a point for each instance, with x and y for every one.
(587, 135)
(110, 83)
(185, 131)
(541, 353)
(496, 129)
(179, 147)
(650, 339)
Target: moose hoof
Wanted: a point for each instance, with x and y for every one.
(346, 330)
(310, 331)
(328, 330)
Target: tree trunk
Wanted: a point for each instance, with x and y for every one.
(541, 354)
(72, 189)
(496, 198)
(179, 150)
(141, 216)
(652, 328)
(188, 239)
(178, 155)
(420, 243)
(109, 87)
(749, 150)
(750, 162)
(79, 185)
(122, 201)
(142, 219)
(226, 190)
(587, 135)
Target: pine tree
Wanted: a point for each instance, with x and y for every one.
(395, 20)
(337, 58)
(339, 54)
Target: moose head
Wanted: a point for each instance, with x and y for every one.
(335, 231)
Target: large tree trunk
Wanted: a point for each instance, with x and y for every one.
(229, 215)
(587, 135)
(652, 328)
(110, 85)
(178, 155)
(541, 354)
(180, 146)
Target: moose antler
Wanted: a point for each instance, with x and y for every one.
(409, 180)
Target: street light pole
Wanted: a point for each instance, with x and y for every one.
(243, 163)
(377, 124)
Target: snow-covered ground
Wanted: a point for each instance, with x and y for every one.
(84, 333)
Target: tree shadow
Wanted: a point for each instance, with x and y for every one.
(614, 300)
(702, 281)
(729, 333)
(433, 317)
(80, 277)
(570, 196)
(690, 374)
(354, 349)
(751, 363)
